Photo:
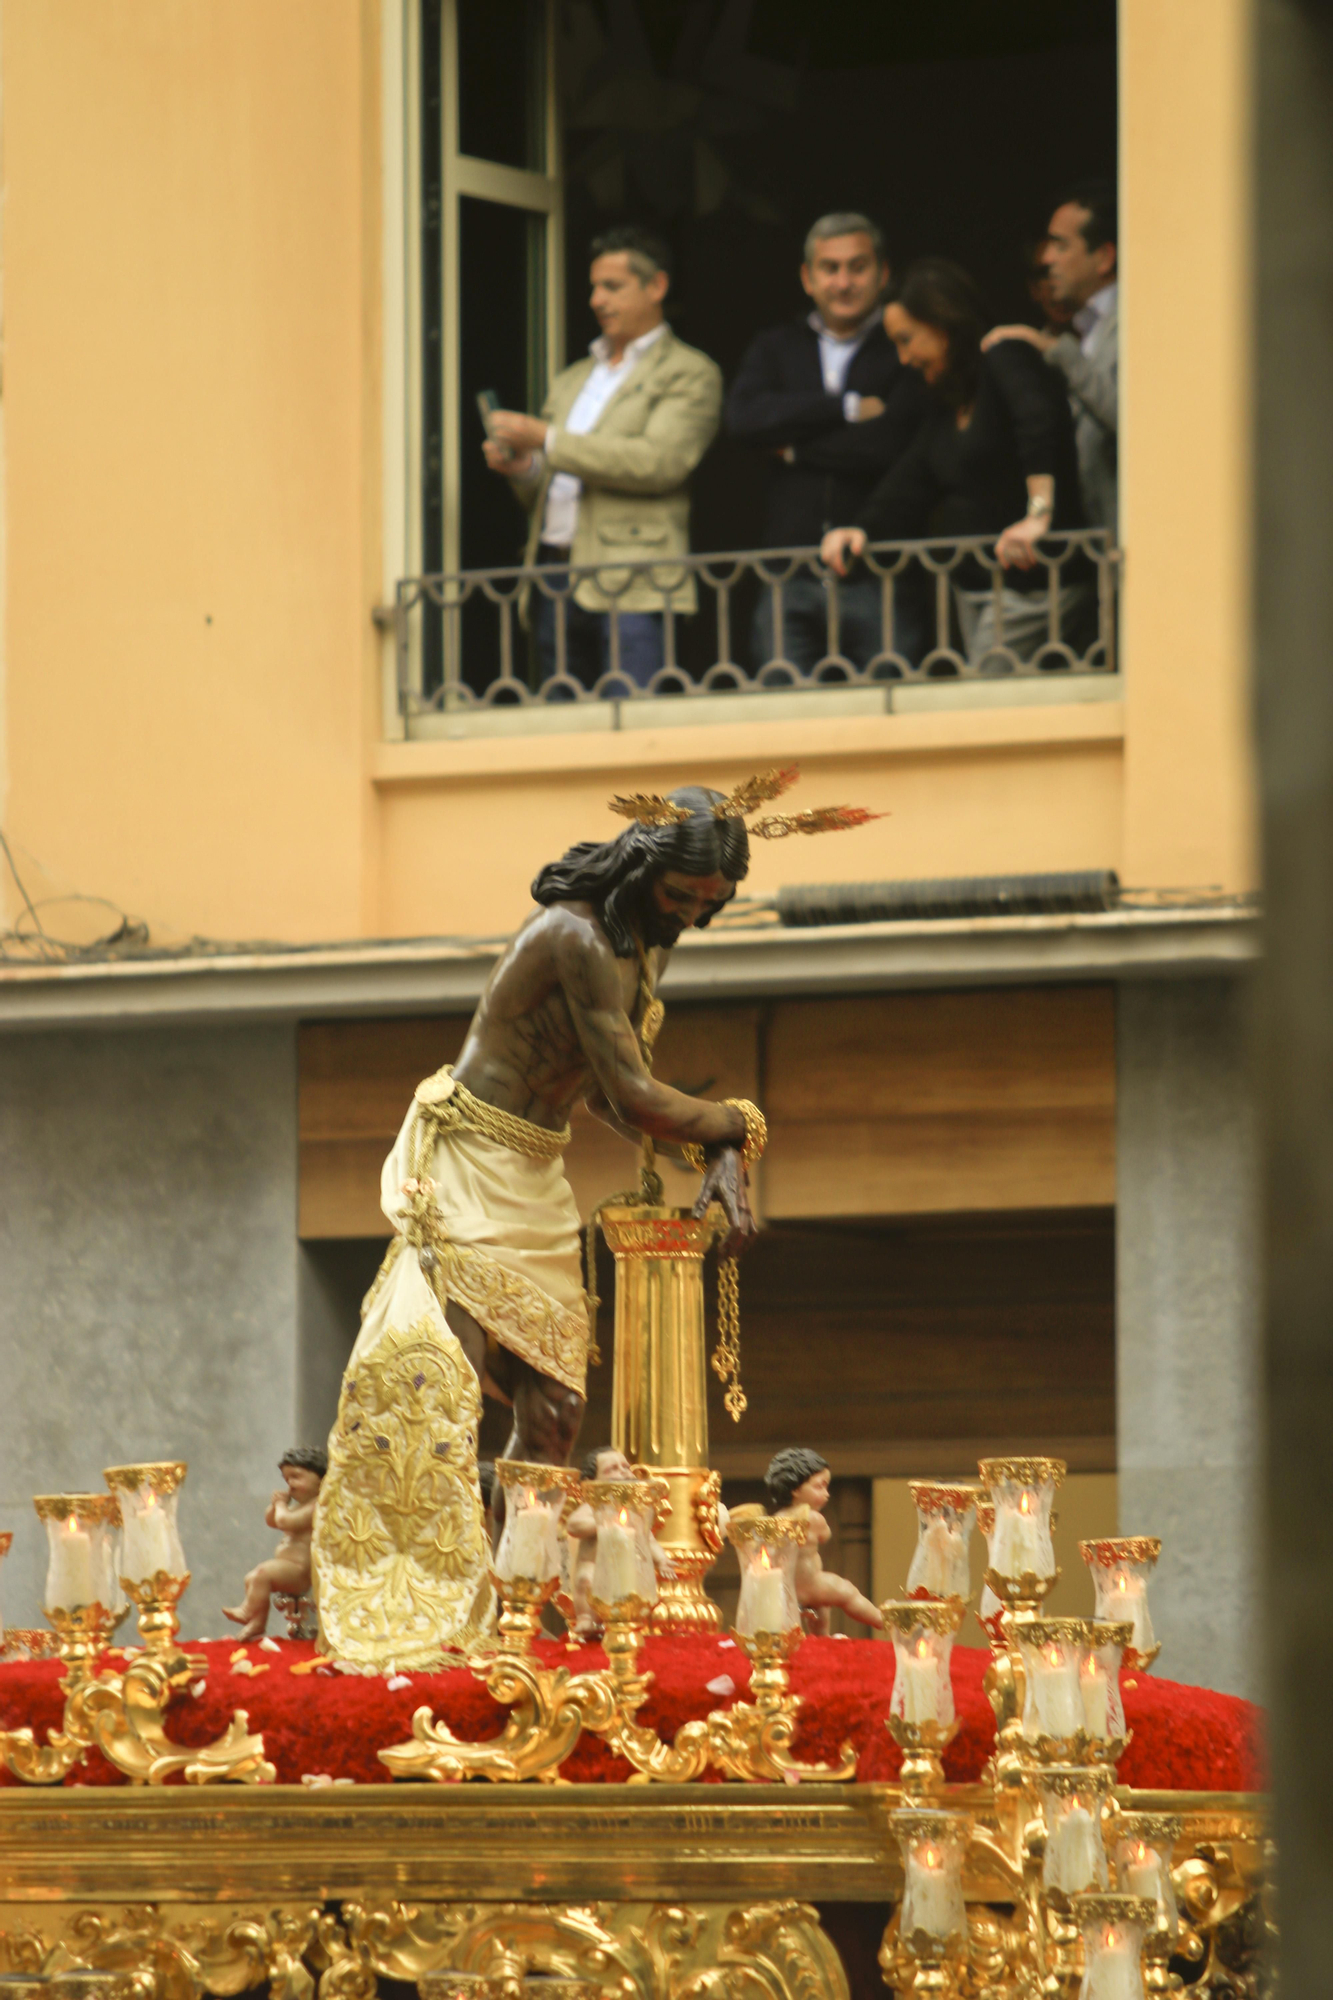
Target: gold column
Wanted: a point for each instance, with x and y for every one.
(659, 1403)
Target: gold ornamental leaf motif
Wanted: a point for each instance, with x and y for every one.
(821, 819)
(648, 809)
(756, 791)
(399, 1552)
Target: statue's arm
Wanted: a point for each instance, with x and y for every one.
(597, 1102)
(590, 979)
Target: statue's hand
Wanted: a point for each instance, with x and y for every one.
(725, 1180)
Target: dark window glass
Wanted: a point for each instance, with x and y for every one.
(502, 346)
(502, 81)
(432, 331)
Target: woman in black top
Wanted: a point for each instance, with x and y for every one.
(994, 457)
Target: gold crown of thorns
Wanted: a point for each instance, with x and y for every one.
(651, 810)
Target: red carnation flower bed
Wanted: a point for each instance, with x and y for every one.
(327, 1724)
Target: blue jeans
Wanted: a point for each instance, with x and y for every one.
(805, 610)
(588, 638)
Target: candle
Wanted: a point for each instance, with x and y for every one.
(615, 1572)
(921, 1683)
(147, 1545)
(530, 1554)
(69, 1577)
(765, 1591)
(1053, 1675)
(1113, 1966)
(1127, 1601)
(931, 1901)
(1075, 1858)
(940, 1562)
(1020, 1545)
(1094, 1686)
(1143, 1873)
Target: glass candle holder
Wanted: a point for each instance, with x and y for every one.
(625, 1511)
(81, 1530)
(1113, 1928)
(150, 1540)
(1144, 1848)
(1022, 1491)
(529, 1547)
(1121, 1570)
(1071, 1805)
(6, 1543)
(922, 1630)
(1099, 1680)
(767, 1548)
(933, 1845)
(945, 1516)
(1052, 1651)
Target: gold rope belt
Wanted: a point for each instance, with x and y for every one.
(448, 1104)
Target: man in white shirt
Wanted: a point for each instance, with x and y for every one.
(1080, 259)
(604, 473)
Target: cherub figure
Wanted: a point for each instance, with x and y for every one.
(796, 1487)
(292, 1512)
(580, 1530)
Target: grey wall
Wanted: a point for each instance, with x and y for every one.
(1187, 1320)
(148, 1278)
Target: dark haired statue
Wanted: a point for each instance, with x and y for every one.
(483, 1275)
(796, 1485)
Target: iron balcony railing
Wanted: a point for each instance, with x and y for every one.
(767, 621)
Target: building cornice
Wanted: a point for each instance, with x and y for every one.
(425, 976)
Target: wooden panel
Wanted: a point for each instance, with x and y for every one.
(936, 1102)
(905, 1346)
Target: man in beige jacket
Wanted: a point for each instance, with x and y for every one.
(604, 473)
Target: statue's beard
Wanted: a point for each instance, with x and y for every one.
(656, 928)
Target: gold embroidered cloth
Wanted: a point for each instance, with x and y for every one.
(505, 1231)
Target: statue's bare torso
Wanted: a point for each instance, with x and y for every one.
(554, 1017)
(556, 1025)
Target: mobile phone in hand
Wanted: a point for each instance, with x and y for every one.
(488, 402)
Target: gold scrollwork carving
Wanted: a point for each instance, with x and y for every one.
(771, 1949)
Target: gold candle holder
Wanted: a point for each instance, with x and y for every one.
(79, 1595)
(1071, 1694)
(1114, 1928)
(925, 1947)
(921, 1717)
(1144, 1850)
(1121, 1567)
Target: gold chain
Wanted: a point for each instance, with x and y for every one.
(727, 1353)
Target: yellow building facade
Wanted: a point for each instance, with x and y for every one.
(208, 457)
(203, 503)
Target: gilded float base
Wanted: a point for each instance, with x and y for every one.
(669, 1951)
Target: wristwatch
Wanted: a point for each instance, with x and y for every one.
(1039, 505)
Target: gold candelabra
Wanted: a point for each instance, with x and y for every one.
(1091, 1888)
(123, 1714)
(551, 1707)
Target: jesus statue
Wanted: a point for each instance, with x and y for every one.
(482, 1286)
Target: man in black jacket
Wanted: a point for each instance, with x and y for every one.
(829, 401)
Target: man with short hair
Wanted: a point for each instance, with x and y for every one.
(604, 470)
(826, 397)
(1080, 260)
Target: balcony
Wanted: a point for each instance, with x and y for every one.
(939, 633)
